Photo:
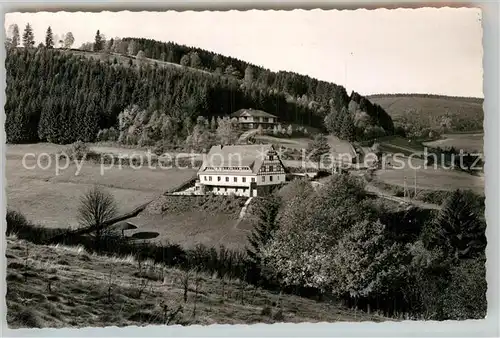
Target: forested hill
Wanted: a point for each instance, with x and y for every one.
(64, 96)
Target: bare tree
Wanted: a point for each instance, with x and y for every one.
(96, 207)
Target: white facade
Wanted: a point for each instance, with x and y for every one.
(243, 180)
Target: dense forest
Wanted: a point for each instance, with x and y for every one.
(62, 96)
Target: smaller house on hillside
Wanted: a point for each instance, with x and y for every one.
(253, 118)
(242, 170)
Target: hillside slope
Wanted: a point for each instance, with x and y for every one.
(58, 286)
(466, 113)
(84, 92)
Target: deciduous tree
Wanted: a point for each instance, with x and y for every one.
(13, 35)
(96, 207)
(69, 39)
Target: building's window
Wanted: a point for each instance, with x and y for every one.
(243, 179)
(253, 179)
(225, 189)
(218, 178)
(227, 179)
(271, 168)
(271, 157)
(236, 179)
(210, 178)
(270, 178)
(205, 178)
(263, 178)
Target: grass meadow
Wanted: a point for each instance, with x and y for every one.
(59, 286)
(52, 200)
(399, 106)
(470, 142)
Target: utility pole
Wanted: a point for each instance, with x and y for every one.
(404, 188)
(415, 184)
(346, 61)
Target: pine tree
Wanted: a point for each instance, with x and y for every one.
(318, 147)
(332, 122)
(28, 37)
(98, 43)
(460, 226)
(249, 75)
(49, 39)
(89, 125)
(347, 126)
(170, 56)
(266, 214)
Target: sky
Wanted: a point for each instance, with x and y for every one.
(428, 50)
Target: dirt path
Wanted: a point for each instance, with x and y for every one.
(244, 210)
(241, 216)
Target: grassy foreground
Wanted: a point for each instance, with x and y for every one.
(59, 286)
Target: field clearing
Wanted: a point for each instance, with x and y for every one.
(467, 142)
(339, 146)
(191, 220)
(196, 227)
(400, 105)
(298, 143)
(52, 200)
(126, 152)
(125, 59)
(336, 145)
(398, 144)
(430, 178)
(88, 290)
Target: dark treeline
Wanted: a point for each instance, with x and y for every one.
(322, 95)
(295, 85)
(61, 97)
(432, 96)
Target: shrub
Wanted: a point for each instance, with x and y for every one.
(266, 311)
(18, 224)
(77, 150)
(278, 315)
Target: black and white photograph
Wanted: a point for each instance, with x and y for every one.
(244, 167)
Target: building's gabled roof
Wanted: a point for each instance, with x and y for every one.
(250, 156)
(252, 112)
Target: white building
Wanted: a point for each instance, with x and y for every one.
(243, 170)
(253, 119)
